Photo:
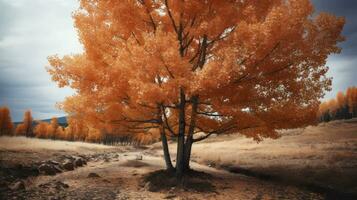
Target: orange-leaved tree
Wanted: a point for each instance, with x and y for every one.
(41, 129)
(344, 106)
(26, 127)
(6, 125)
(185, 67)
(52, 129)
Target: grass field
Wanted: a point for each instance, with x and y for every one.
(323, 155)
(318, 162)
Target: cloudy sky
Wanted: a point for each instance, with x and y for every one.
(31, 30)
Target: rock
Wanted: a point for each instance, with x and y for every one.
(19, 185)
(54, 185)
(68, 165)
(139, 157)
(170, 196)
(48, 169)
(60, 185)
(93, 175)
(147, 186)
(52, 162)
(78, 162)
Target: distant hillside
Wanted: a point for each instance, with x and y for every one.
(61, 120)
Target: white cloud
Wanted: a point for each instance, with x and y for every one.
(33, 30)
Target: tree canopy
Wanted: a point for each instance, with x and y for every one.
(185, 67)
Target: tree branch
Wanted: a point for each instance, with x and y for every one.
(166, 120)
(170, 16)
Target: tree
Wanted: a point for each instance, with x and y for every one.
(6, 125)
(344, 106)
(60, 134)
(41, 129)
(52, 129)
(351, 95)
(26, 127)
(184, 67)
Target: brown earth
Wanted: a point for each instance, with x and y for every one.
(314, 157)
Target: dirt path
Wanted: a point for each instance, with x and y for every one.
(122, 178)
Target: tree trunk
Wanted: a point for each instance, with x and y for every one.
(181, 137)
(165, 148)
(187, 156)
(189, 140)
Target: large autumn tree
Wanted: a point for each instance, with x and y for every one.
(200, 66)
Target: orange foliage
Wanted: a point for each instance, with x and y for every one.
(343, 107)
(26, 127)
(41, 129)
(211, 66)
(246, 61)
(6, 125)
(52, 128)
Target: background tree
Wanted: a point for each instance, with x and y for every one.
(52, 128)
(26, 127)
(41, 129)
(184, 67)
(6, 125)
(344, 106)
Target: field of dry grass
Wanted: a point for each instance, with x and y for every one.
(323, 155)
(302, 164)
(119, 173)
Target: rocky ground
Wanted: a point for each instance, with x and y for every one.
(113, 175)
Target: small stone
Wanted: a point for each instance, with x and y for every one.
(147, 186)
(52, 162)
(170, 196)
(19, 185)
(68, 165)
(78, 162)
(139, 157)
(93, 175)
(61, 185)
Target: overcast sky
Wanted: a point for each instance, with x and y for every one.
(31, 30)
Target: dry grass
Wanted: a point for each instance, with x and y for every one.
(324, 155)
(23, 143)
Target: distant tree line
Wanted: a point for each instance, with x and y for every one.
(344, 106)
(76, 130)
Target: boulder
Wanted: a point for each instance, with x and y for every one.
(78, 162)
(68, 165)
(48, 169)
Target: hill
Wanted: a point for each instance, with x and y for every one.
(61, 121)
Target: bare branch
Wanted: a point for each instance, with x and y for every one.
(170, 16)
(210, 114)
(166, 67)
(166, 120)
